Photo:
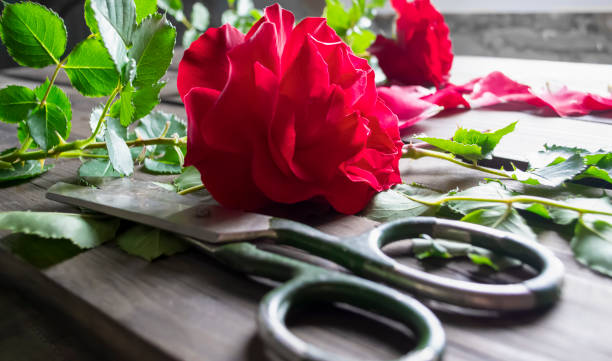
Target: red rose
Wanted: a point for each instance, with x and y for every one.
(421, 54)
(286, 113)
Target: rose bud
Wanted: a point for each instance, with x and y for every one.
(421, 54)
(286, 113)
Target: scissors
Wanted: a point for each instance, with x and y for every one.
(230, 236)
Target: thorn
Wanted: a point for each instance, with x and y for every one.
(61, 140)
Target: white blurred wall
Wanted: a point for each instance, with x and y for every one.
(520, 6)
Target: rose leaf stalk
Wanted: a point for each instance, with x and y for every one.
(511, 201)
(413, 152)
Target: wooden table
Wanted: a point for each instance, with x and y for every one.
(190, 307)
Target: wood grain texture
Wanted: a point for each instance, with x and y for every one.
(189, 307)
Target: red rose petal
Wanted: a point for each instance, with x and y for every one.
(407, 104)
(205, 63)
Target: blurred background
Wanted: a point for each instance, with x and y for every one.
(566, 30)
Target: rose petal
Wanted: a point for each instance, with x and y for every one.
(247, 121)
(205, 63)
(407, 104)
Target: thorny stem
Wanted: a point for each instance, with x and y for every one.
(22, 154)
(510, 201)
(58, 151)
(413, 152)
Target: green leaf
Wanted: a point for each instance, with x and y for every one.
(190, 178)
(200, 16)
(491, 190)
(482, 261)
(119, 14)
(337, 17)
(487, 141)
(15, 103)
(129, 73)
(467, 151)
(23, 133)
(145, 99)
(376, 4)
(145, 8)
(33, 35)
(553, 175)
(355, 12)
(90, 18)
(126, 107)
(427, 247)
(38, 251)
(256, 14)
(171, 154)
(98, 168)
(595, 172)
(118, 153)
(173, 7)
(539, 209)
(117, 127)
(360, 40)
(471, 144)
(503, 218)
(24, 170)
(84, 230)
(159, 167)
(115, 19)
(153, 125)
(553, 154)
(56, 97)
(394, 203)
(601, 159)
(592, 245)
(170, 4)
(150, 243)
(492, 214)
(153, 49)
(91, 69)
(44, 122)
(600, 166)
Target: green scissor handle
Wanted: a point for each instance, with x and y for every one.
(362, 255)
(335, 287)
(309, 283)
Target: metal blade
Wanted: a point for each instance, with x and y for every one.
(146, 203)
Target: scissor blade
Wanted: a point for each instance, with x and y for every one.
(146, 203)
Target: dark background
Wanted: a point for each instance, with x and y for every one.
(567, 36)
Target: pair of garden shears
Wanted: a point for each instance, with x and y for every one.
(230, 236)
